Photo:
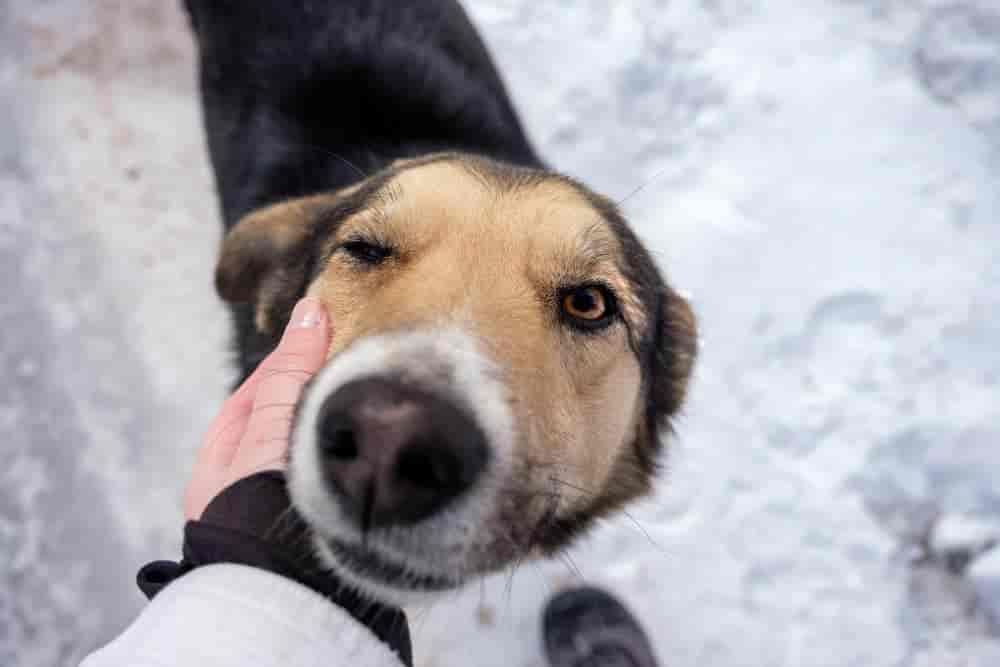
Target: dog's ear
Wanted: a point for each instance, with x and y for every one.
(255, 249)
(681, 334)
(674, 350)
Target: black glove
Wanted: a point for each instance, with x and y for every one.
(253, 523)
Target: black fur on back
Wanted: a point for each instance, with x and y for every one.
(307, 96)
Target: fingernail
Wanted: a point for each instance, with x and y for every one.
(307, 313)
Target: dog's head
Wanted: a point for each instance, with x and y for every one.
(504, 359)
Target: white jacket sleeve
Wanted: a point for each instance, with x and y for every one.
(234, 616)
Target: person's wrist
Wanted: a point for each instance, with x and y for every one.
(240, 525)
(251, 522)
(254, 505)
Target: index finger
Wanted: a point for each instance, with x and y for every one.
(283, 375)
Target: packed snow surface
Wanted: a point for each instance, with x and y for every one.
(822, 177)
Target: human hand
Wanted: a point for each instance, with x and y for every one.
(231, 522)
(252, 432)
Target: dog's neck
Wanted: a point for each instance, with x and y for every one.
(300, 100)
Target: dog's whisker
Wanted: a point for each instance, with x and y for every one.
(564, 558)
(336, 156)
(624, 511)
(509, 587)
(643, 530)
(278, 521)
(642, 186)
(570, 485)
(545, 579)
(422, 614)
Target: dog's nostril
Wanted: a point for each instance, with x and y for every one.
(341, 443)
(427, 467)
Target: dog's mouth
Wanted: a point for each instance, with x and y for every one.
(369, 564)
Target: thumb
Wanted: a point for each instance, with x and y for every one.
(283, 374)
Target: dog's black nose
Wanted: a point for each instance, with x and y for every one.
(395, 454)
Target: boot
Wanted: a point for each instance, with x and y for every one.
(586, 627)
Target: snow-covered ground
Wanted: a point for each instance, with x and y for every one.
(822, 176)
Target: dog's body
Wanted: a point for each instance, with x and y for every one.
(505, 352)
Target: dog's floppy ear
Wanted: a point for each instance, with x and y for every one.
(680, 337)
(254, 250)
(673, 353)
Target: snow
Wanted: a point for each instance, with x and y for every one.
(957, 533)
(819, 175)
(985, 577)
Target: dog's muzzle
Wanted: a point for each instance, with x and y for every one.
(401, 448)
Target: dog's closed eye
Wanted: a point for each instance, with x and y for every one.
(366, 252)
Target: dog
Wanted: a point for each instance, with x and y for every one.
(506, 358)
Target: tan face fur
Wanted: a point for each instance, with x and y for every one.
(490, 261)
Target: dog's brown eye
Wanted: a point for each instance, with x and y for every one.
(587, 303)
(588, 306)
(366, 252)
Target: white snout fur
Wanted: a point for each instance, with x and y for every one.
(450, 363)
